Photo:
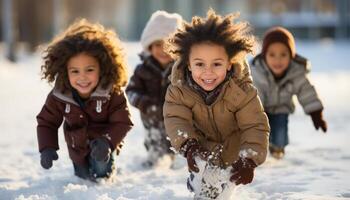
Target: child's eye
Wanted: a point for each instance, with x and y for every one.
(74, 71)
(271, 55)
(199, 64)
(217, 64)
(90, 69)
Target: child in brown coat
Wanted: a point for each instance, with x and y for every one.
(87, 65)
(212, 112)
(148, 84)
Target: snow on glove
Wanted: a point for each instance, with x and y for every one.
(47, 156)
(243, 171)
(317, 119)
(100, 149)
(192, 149)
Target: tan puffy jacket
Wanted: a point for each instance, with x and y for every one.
(235, 120)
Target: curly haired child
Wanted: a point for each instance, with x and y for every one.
(147, 86)
(279, 74)
(212, 112)
(87, 67)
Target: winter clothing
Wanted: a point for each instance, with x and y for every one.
(317, 119)
(234, 122)
(279, 129)
(95, 169)
(243, 171)
(146, 91)
(47, 156)
(278, 34)
(159, 26)
(276, 152)
(276, 96)
(100, 150)
(105, 115)
(193, 149)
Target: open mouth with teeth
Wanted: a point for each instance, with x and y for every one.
(84, 85)
(208, 84)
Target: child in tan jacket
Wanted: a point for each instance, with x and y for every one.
(212, 112)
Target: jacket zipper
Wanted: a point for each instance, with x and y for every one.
(211, 118)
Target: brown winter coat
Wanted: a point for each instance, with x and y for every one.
(235, 120)
(146, 91)
(105, 114)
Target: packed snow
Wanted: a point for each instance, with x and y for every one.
(316, 165)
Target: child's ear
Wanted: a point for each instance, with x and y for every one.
(189, 67)
(229, 67)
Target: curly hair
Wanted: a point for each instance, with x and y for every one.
(235, 37)
(92, 39)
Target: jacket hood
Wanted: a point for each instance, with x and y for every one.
(67, 96)
(298, 59)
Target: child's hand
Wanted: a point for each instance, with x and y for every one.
(193, 149)
(100, 149)
(47, 156)
(145, 104)
(317, 119)
(243, 171)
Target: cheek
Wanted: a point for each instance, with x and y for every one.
(269, 61)
(70, 78)
(286, 62)
(222, 74)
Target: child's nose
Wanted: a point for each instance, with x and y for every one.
(208, 70)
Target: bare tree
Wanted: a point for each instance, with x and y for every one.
(10, 30)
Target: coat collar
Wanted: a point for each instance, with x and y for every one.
(295, 69)
(67, 96)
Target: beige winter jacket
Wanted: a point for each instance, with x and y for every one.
(235, 120)
(276, 96)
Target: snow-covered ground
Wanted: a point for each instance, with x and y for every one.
(316, 165)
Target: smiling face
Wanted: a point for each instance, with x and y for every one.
(209, 64)
(157, 51)
(277, 58)
(83, 74)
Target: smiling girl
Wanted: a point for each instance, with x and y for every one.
(212, 111)
(87, 66)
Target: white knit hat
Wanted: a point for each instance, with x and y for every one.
(159, 26)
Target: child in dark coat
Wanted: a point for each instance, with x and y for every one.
(149, 82)
(88, 69)
(279, 74)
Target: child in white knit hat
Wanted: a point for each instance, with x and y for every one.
(148, 85)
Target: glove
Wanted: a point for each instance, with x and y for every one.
(191, 149)
(47, 156)
(100, 149)
(243, 171)
(318, 121)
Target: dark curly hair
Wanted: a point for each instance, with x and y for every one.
(92, 39)
(235, 37)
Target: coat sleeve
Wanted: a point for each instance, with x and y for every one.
(49, 120)
(178, 119)
(260, 83)
(136, 89)
(307, 95)
(119, 119)
(253, 124)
